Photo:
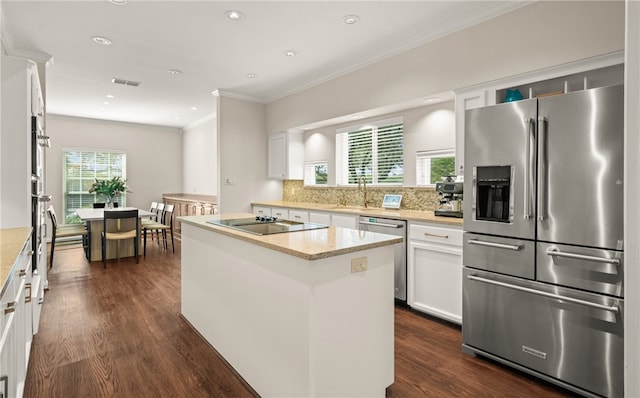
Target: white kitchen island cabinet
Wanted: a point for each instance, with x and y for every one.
(289, 311)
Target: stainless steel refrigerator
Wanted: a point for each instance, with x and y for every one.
(543, 243)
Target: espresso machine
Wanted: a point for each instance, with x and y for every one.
(450, 191)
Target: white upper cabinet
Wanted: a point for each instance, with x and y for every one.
(286, 156)
(464, 101)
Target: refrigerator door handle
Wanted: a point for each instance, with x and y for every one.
(494, 245)
(530, 125)
(555, 252)
(542, 157)
(610, 308)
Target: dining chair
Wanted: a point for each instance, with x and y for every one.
(165, 224)
(66, 231)
(157, 208)
(119, 225)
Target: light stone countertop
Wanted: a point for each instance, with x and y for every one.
(12, 242)
(309, 245)
(409, 215)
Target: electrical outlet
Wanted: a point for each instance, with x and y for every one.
(358, 264)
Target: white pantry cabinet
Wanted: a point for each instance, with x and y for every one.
(435, 270)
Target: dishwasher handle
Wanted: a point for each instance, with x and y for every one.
(381, 224)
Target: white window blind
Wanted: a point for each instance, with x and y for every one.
(432, 165)
(374, 151)
(315, 173)
(81, 167)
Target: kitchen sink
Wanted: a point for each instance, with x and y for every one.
(268, 226)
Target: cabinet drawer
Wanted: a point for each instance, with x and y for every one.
(429, 233)
(280, 213)
(298, 215)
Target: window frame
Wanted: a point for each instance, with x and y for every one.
(342, 152)
(307, 174)
(422, 156)
(86, 180)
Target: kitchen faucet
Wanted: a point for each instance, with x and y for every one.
(362, 180)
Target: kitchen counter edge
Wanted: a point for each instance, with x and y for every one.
(308, 248)
(408, 215)
(12, 241)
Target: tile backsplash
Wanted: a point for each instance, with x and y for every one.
(412, 198)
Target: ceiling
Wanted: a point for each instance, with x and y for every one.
(149, 38)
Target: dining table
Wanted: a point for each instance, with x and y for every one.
(94, 219)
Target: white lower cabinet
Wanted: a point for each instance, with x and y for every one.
(17, 330)
(299, 215)
(261, 211)
(435, 270)
(340, 220)
(320, 218)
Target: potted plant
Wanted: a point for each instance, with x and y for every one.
(109, 189)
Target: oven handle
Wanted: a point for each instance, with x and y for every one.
(493, 244)
(613, 308)
(555, 252)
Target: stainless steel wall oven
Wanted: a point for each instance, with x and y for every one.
(543, 244)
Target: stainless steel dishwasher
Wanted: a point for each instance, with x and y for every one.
(397, 228)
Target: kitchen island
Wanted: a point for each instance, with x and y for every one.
(304, 314)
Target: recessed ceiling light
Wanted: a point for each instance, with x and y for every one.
(175, 72)
(106, 102)
(118, 2)
(109, 96)
(350, 19)
(176, 117)
(290, 53)
(233, 15)
(251, 75)
(101, 40)
(193, 108)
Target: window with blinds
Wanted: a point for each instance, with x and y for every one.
(374, 151)
(316, 173)
(81, 167)
(431, 166)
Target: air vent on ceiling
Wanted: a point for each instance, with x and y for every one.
(125, 82)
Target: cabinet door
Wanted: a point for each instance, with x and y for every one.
(343, 221)
(277, 156)
(320, 218)
(299, 215)
(465, 101)
(435, 280)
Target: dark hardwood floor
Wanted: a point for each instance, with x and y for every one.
(117, 332)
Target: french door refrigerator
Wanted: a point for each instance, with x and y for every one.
(543, 242)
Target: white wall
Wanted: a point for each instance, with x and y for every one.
(200, 158)
(425, 128)
(242, 156)
(544, 34)
(154, 155)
